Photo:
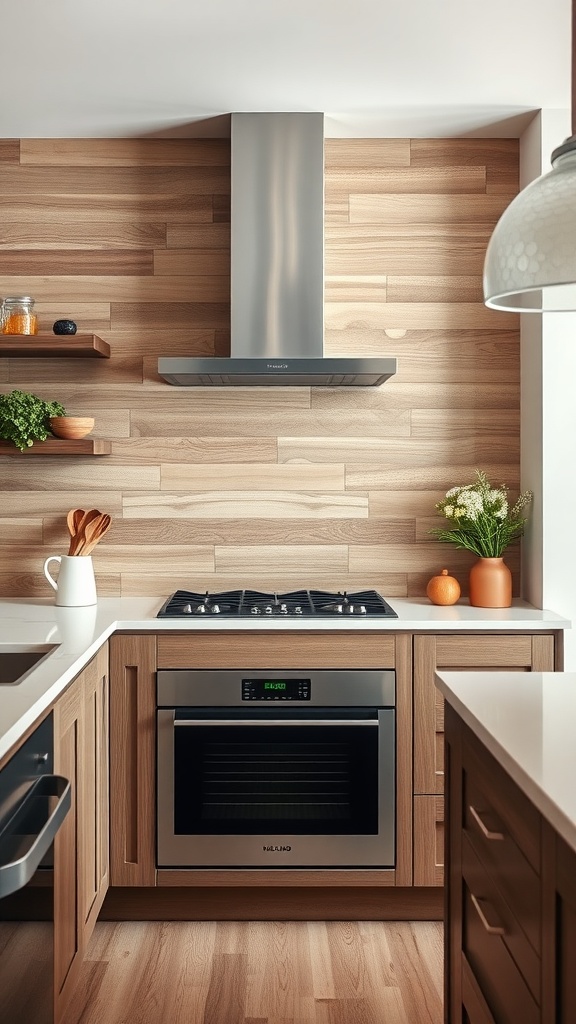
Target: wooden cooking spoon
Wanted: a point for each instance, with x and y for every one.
(73, 521)
(94, 531)
(80, 537)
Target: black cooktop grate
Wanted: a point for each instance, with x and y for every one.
(255, 603)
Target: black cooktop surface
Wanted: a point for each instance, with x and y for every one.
(254, 603)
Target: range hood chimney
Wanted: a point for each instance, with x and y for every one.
(277, 265)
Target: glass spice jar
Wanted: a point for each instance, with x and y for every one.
(18, 316)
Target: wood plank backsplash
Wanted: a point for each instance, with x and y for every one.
(272, 488)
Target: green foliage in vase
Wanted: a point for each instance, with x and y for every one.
(25, 418)
(483, 521)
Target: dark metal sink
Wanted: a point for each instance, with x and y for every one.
(18, 660)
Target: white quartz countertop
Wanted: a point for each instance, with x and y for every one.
(526, 721)
(79, 632)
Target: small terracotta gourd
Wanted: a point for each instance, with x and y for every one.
(443, 589)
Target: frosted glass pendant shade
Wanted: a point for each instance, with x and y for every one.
(530, 263)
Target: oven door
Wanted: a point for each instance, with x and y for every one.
(261, 788)
(33, 805)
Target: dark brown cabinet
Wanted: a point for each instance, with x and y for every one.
(510, 920)
(564, 901)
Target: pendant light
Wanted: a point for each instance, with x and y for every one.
(530, 263)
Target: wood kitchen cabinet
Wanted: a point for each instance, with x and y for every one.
(515, 651)
(95, 838)
(133, 663)
(132, 760)
(510, 903)
(81, 745)
(134, 659)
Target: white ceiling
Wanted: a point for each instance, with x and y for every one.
(90, 68)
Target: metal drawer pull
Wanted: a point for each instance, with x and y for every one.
(274, 721)
(486, 832)
(492, 929)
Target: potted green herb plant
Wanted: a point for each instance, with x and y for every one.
(25, 418)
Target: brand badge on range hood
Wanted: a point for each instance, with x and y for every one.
(277, 266)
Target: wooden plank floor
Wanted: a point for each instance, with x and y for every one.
(265, 972)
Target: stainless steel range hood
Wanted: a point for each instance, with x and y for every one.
(277, 265)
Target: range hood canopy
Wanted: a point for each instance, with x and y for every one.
(277, 265)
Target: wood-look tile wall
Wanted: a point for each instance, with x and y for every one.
(272, 488)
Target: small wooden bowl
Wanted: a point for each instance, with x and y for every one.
(71, 427)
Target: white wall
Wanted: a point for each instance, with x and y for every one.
(548, 419)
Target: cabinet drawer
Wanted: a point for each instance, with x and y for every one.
(498, 652)
(275, 650)
(474, 1007)
(501, 957)
(428, 840)
(494, 930)
(491, 826)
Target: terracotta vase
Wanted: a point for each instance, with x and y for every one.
(490, 584)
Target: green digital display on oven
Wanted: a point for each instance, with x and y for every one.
(276, 689)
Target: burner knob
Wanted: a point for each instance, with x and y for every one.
(283, 610)
(215, 609)
(362, 609)
(268, 609)
(254, 610)
(187, 609)
(339, 609)
(298, 610)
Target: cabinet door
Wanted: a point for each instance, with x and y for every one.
(81, 845)
(428, 840)
(565, 934)
(511, 652)
(94, 836)
(68, 745)
(132, 760)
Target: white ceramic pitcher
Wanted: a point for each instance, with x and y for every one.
(76, 585)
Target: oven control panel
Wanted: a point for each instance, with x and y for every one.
(276, 689)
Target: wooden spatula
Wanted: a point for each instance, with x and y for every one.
(94, 531)
(73, 520)
(80, 538)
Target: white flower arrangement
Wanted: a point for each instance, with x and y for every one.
(483, 520)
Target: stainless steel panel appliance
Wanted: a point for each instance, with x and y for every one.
(33, 805)
(276, 768)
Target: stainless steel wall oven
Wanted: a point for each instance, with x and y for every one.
(276, 768)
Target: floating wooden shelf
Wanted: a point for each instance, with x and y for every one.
(56, 446)
(21, 345)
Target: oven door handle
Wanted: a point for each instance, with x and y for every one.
(31, 830)
(275, 721)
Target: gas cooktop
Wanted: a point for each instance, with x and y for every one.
(305, 603)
